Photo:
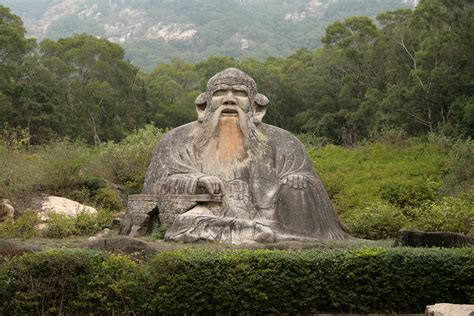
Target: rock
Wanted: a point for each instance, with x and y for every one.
(141, 218)
(409, 238)
(449, 310)
(100, 234)
(47, 204)
(121, 244)
(6, 210)
(13, 248)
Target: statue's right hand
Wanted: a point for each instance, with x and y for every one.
(213, 184)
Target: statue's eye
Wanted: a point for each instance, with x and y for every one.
(219, 93)
(240, 94)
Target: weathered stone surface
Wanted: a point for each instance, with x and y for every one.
(7, 212)
(449, 310)
(47, 204)
(268, 189)
(120, 244)
(409, 238)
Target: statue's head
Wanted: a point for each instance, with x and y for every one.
(232, 92)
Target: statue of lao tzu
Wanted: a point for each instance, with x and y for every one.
(269, 190)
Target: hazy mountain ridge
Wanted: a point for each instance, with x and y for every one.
(156, 31)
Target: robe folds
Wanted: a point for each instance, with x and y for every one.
(274, 194)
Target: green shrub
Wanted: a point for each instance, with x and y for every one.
(60, 226)
(374, 280)
(23, 227)
(454, 214)
(461, 166)
(108, 198)
(409, 193)
(104, 218)
(59, 282)
(376, 221)
(86, 224)
(364, 280)
(159, 233)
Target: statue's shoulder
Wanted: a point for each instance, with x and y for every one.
(180, 134)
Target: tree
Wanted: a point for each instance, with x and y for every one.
(98, 86)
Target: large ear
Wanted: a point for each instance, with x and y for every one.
(201, 103)
(261, 103)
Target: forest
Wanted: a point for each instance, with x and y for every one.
(410, 70)
(385, 107)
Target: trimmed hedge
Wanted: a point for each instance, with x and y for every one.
(75, 281)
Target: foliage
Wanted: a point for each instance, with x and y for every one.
(375, 172)
(23, 227)
(60, 226)
(85, 223)
(455, 214)
(128, 161)
(376, 221)
(368, 280)
(409, 72)
(108, 198)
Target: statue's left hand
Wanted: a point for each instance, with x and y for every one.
(296, 181)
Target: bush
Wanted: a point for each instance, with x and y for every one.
(367, 280)
(376, 221)
(104, 218)
(108, 198)
(461, 163)
(409, 193)
(454, 214)
(60, 226)
(23, 227)
(85, 223)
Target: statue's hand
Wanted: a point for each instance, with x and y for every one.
(214, 185)
(296, 181)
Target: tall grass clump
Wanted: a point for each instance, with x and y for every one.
(126, 163)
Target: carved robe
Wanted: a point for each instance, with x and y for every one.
(258, 204)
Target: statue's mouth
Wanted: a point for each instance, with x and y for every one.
(229, 112)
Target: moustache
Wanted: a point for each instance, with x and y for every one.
(225, 111)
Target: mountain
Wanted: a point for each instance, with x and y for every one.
(154, 31)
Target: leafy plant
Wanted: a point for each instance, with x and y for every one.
(23, 227)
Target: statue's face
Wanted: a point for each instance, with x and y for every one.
(230, 102)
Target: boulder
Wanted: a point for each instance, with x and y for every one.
(6, 210)
(47, 204)
(449, 310)
(409, 238)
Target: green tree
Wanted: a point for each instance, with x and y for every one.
(100, 90)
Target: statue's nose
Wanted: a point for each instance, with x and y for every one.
(229, 99)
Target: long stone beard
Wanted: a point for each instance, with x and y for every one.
(223, 142)
(231, 142)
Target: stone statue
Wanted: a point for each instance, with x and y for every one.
(259, 182)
